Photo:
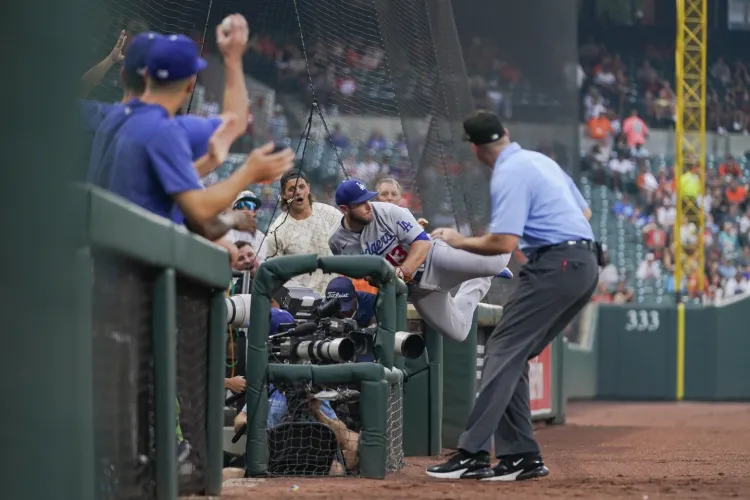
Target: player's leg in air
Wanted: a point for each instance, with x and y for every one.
(446, 268)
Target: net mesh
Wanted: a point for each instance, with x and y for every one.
(123, 379)
(193, 305)
(316, 431)
(395, 427)
(391, 91)
(136, 16)
(532, 86)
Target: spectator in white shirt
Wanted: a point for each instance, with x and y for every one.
(303, 227)
(735, 285)
(666, 215)
(248, 231)
(620, 167)
(649, 268)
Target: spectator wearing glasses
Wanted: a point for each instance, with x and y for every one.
(247, 230)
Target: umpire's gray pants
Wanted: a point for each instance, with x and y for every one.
(552, 288)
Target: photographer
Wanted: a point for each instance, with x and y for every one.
(311, 410)
(357, 305)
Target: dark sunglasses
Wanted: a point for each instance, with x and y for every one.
(244, 205)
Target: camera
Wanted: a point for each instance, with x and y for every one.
(311, 342)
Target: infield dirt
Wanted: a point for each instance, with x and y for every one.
(605, 451)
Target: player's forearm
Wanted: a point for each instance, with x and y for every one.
(205, 165)
(488, 245)
(215, 199)
(94, 76)
(417, 255)
(235, 93)
(215, 228)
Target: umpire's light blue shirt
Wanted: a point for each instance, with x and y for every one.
(143, 155)
(534, 199)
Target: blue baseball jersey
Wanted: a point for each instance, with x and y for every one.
(534, 199)
(198, 128)
(142, 154)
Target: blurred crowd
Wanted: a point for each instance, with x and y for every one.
(626, 90)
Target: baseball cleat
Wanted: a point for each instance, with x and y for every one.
(518, 469)
(459, 464)
(505, 274)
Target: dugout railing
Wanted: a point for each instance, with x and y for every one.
(375, 381)
(152, 298)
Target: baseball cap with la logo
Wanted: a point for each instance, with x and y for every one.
(352, 192)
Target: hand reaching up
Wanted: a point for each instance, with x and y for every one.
(232, 35)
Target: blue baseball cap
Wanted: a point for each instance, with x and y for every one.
(137, 51)
(353, 191)
(199, 130)
(173, 58)
(341, 288)
(278, 317)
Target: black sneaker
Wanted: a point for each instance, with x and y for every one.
(460, 463)
(518, 469)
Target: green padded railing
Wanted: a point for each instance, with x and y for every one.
(115, 227)
(270, 276)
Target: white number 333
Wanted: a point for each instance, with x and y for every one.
(641, 320)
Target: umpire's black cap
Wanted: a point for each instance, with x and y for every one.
(483, 127)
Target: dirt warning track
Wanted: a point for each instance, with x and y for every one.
(606, 450)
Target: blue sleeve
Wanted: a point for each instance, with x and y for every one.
(511, 201)
(325, 407)
(576, 193)
(93, 113)
(199, 130)
(422, 237)
(172, 160)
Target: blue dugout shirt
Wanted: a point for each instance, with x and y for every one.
(142, 154)
(198, 128)
(533, 198)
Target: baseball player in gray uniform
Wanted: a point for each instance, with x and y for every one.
(430, 267)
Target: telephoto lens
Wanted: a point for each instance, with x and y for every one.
(238, 310)
(409, 345)
(337, 350)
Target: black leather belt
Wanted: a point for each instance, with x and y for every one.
(587, 244)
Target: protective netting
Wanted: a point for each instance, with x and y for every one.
(521, 59)
(395, 427)
(391, 91)
(123, 379)
(188, 17)
(315, 431)
(193, 305)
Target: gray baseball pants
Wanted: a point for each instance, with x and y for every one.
(552, 288)
(446, 268)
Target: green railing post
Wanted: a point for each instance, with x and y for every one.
(165, 381)
(402, 293)
(270, 276)
(84, 276)
(215, 398)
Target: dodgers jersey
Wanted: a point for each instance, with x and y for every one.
(389, 235)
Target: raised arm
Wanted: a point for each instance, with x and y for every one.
(232, 45)
(94, 76)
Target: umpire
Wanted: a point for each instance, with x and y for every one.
(534, 207)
